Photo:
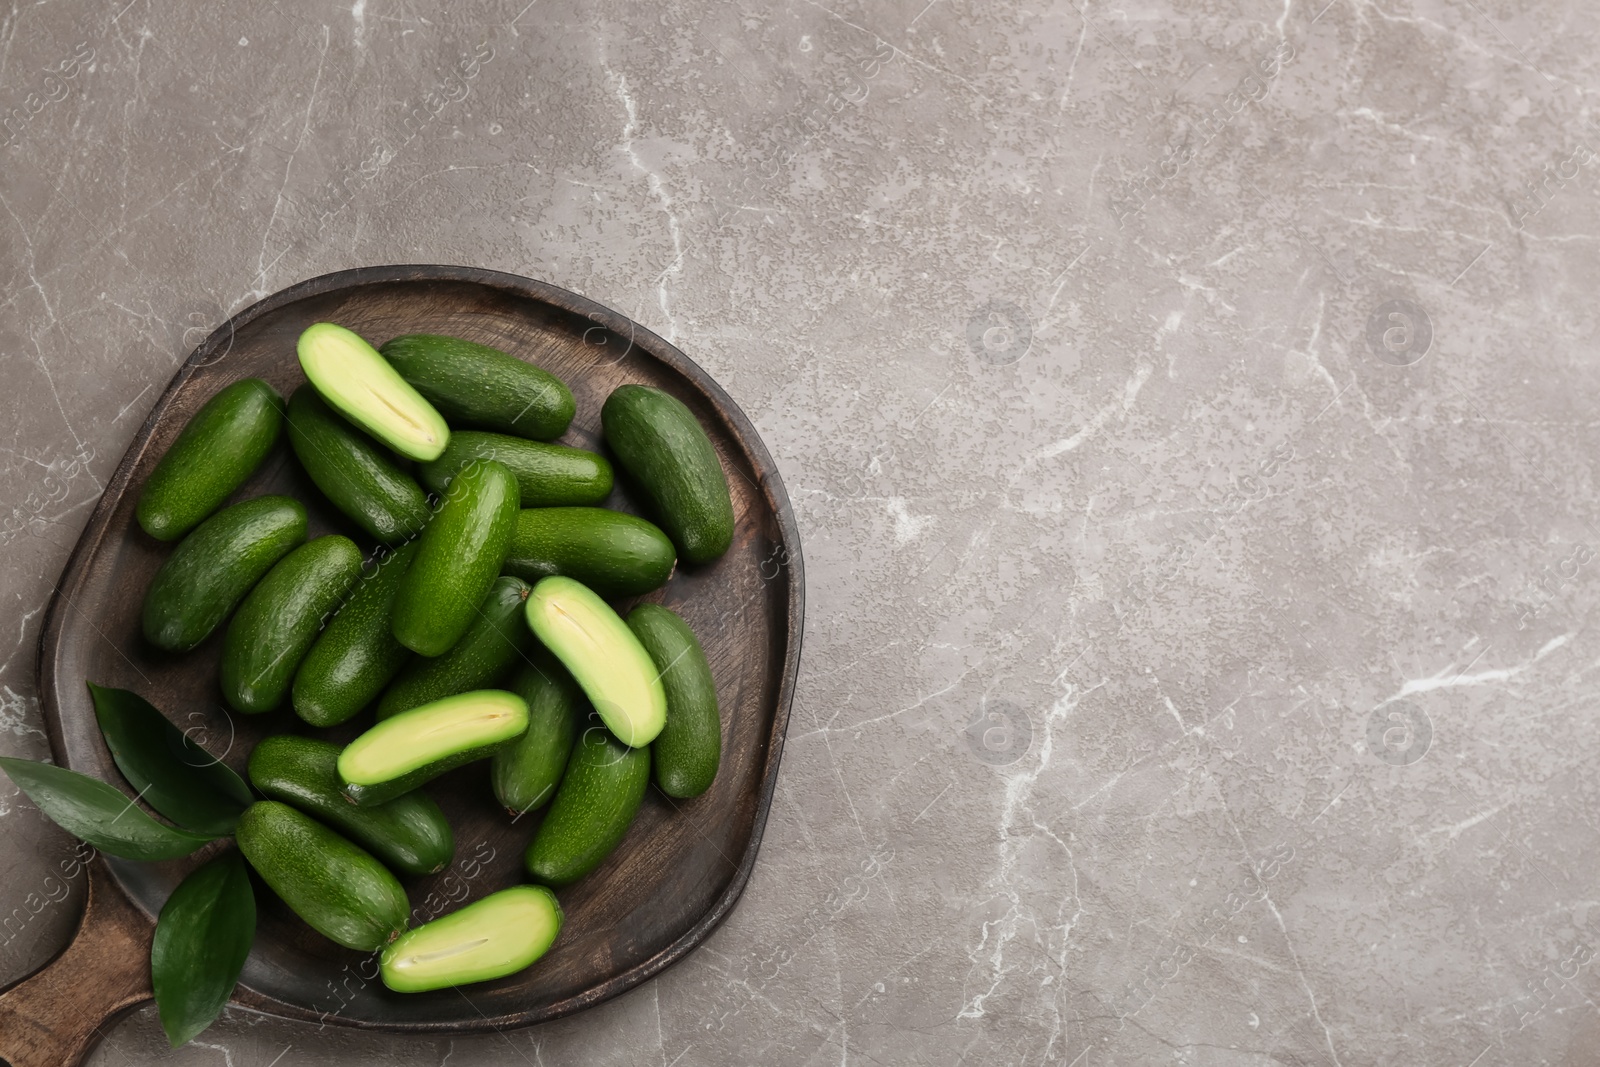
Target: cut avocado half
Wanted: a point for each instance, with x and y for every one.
(491, 938)
(361, 385)
(400, 753)
(591, 641)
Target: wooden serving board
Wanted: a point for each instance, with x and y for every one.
(683, 864)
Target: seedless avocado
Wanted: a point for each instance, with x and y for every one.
(490, 938)
(215, 566)
(686, 753)
(356, 655)
(360, 476)
(458, 557)
(409, 833)
(497, 638)
(594, 805)
(526, 772)
(279, 620)
(338, 888)
(613, 553)
(362, 386)
(604, 656)
(547, 475)
(476, 385)
(415, 746)
(658, 440)
(215, 452)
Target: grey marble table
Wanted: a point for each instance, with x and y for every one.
(1189, 409)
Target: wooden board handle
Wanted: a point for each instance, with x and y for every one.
(55, 1016)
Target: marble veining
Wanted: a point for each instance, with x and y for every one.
(1185, 407)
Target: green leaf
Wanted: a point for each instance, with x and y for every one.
(174, 775)
(202, 938)
(100, 814)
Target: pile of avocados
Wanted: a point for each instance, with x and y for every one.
(477, 628)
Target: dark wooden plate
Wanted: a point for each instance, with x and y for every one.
(683, 864)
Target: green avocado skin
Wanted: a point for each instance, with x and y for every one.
(278, 621)
(658, 441)
(356, 654)
(337, 887)
(497, 638)
(220, 447)
(215, 566)
(686, 753)
(611, 552)
(458, 557)
(361, 477)
(547, 475)
(526, 772)
(409, 833)
(476, 385)
(599, 795)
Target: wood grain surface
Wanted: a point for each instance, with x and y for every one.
(57, 1015)
(683, 864)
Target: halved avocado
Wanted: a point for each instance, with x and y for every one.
(361, 385)
(491, 938)
(616, 673)
(415, 746)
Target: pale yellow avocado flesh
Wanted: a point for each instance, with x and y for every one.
(361, 385)
(491, 938)
(423, 735)
(607, 660)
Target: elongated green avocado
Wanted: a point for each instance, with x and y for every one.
(686, 753)
(658, 440)
(357, 474)
(338, 888)
(458, 557)
(489, 938)
(415, 746)
(476, 385)
(547, 475)
(279, 620)
(215, 566)
(215, 452)
(526, 772)
(356, 654)
(598, 797)
(604, 656)
(613, 553)
(495, 640)
(360, 384)
(409, 833)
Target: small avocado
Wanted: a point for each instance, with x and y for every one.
(361, 385)
(336, 887)
(605, 657)
(490, 938)
(417, 745)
